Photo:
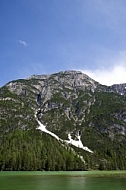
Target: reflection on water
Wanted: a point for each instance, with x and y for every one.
(61, 183)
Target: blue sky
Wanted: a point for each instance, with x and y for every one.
(48, 36)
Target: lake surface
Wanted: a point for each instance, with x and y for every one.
(62, 181)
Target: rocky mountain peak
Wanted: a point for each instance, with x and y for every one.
(49, 85)
(70, 79)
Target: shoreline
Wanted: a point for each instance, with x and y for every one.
(92, 173)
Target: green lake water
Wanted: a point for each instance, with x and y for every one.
(62, 181)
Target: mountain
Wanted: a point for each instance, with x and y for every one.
(119, 88)
(62, 121)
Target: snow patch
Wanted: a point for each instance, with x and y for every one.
(43, 128)
(77, 143)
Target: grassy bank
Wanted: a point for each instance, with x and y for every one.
(115, 173)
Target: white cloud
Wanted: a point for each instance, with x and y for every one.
(113, 72)
(23, 42)
(108, 76)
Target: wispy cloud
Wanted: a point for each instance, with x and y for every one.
(23, 42)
